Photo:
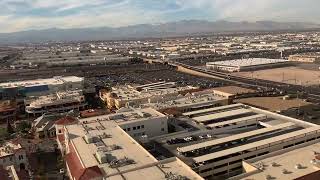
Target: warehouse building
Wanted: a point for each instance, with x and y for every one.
(39, 87)
(238, 65)
(235, 133)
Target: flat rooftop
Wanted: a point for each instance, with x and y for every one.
(273, 103)
(127, 116)
(39, 82)
(117, 144)
(234, 90)
(190, 100)
(247, 62)
(284, 165)
(236, 132)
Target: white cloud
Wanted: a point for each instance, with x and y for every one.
(19, 15)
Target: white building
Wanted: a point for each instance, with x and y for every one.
(40, 87)
(137, 122)
(245, 64)
(100, 149)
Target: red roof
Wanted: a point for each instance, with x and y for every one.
(91, 173)
(4, 174)
(66, 120)
(77, 171)
(61, 138)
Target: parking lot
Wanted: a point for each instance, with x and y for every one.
(168, 75)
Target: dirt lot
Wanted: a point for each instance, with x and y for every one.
(290, 75)
(273, 103)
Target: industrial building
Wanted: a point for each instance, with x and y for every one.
(100, 149)
(238, 65)
(39, 87)
(308, 58)
(235, 133)
(134, 96)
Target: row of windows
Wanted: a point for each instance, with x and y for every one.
(134, 128)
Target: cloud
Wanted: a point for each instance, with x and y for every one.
(17, 15)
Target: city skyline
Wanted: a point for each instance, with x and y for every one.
(19, 15)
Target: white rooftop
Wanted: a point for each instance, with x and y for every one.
(278, 164)
(247, 62)
(51, 81)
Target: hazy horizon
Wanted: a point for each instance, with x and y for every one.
(21, 15)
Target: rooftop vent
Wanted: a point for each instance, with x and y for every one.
(285, 171)
(274, 164)
(298, 166)
(269, 177)
(173, 176)
(116, 163)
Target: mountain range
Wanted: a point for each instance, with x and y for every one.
(171, 29)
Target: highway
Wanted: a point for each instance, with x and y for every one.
(313, 94)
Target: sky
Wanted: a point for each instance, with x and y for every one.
(20, 15)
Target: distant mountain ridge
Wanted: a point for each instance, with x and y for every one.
(179, 28)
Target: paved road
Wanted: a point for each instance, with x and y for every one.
(312, 93)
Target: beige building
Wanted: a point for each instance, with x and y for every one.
(302, 163)
(134, 96)
(12, 154)
(100, 149)
(309, 58)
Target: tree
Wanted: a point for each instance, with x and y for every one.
(9, 127)
(23, 126)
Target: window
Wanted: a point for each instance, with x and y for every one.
(125, 129)
(162, 129)
(129, 129)
(142, 126)
(138, 127)
(59, 130)
(134, 128)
